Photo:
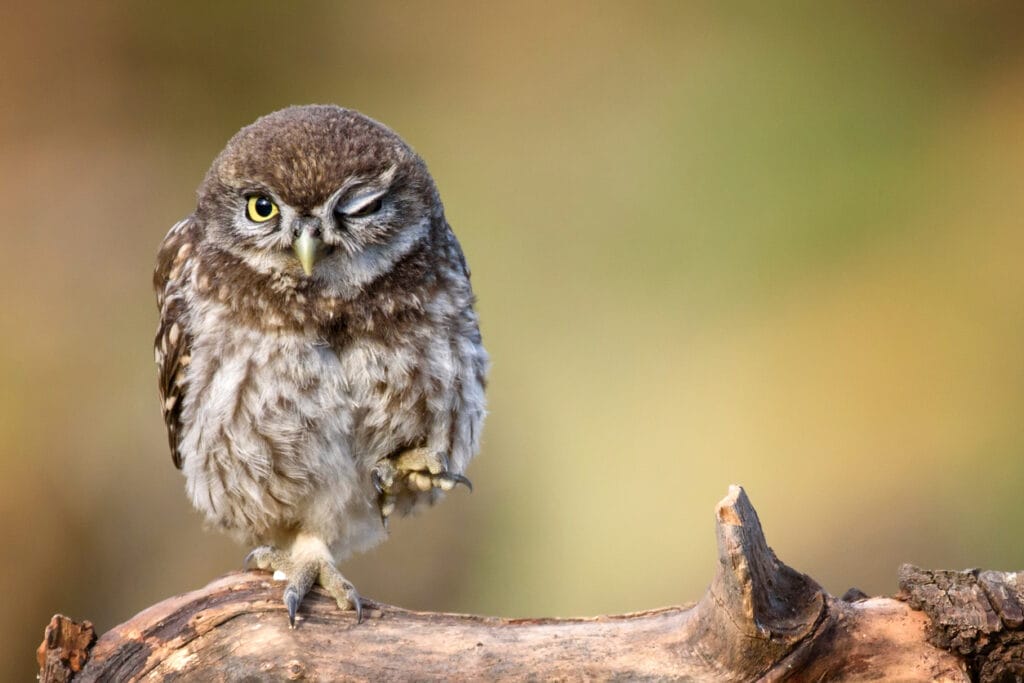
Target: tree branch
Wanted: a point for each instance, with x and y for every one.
(759, 620)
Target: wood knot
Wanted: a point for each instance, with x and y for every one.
(296, 670)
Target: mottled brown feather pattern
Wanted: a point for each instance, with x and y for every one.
(387, 306)
(173, 341)
(281, 391)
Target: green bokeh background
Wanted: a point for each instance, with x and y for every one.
(773, 244)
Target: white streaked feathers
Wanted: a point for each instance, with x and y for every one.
(307, 423)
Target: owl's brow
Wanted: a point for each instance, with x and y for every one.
(381, 181)
(250, 187)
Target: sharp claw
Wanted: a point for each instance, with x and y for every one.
(248, 559)
(359, 610)
(291, 601)
(459, 479)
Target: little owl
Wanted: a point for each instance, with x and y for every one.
(320, 359)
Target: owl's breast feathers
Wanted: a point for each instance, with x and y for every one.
(392, 309)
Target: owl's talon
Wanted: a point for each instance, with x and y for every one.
(387, 506)
(447, 481)
(264, 557)
(383, 476)
(413, 471)
(341, 590)
(302, 575)
(291, 601)
(418, 481)
(247, 563)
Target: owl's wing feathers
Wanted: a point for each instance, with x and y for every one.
(173, 344)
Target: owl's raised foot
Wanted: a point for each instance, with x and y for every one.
(301, 573)
(415, 470)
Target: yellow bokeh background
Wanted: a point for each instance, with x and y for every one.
(771, 244)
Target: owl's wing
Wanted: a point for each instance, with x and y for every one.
(173, 343)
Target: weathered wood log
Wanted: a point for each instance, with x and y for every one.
(759, 620)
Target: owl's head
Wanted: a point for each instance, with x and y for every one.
(321, 193)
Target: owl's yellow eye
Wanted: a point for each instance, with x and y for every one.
(260, 208)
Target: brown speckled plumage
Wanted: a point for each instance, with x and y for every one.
(304, 408)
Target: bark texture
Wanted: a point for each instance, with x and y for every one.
(759, 620)
(977, 614)
(64, 649)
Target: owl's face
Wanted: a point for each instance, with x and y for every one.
(321, 194)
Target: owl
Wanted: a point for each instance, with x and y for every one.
(320, 359)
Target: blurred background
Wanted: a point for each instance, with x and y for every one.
(776, 245)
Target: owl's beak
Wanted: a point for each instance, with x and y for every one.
(307, 250)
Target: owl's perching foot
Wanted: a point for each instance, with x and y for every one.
(301, 569)
(415, 470)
